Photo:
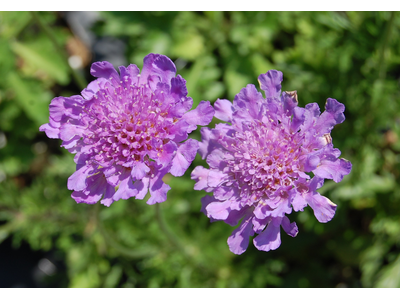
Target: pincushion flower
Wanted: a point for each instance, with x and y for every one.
(128, 130)
(260, 161)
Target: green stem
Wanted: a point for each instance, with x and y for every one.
(116, 245)
(78, 77)
(381, 62)
(166, 230)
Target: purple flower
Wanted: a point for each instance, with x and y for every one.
(127, 131)
(259, 162)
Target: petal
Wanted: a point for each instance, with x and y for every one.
(224, 192)
(298, 118)
(248, 100)
(215, 178)
(72, 145)
(262, 211)
(299, 202)
(283, 207)
(132, 71)
(311, 162)
(290, 102)
(50, 131)
(139, 170)
(179, 131)
(223, 110)
(218, 210)
(270, 238)
(178, 88)
(201, 115)
(235, 216)
(93, 88)
(104, 69)
(167, 153)
(159, 194)
(57, 108)
(333, 168)
(77, 181)
(181, 107)
(184, 157)
(239, 240)
(270, 83)
(216, 158)
(142, 186)
(290, 228)
(204, 145)
(200, 174)
(156, 64)
(332, 115)
(324, 209)
(81, 197)
(259, 224)
(108, 196)
(204, 202)
(126, 188)
(153, 81)
(68, 131)
(158, 189)
(311, 114)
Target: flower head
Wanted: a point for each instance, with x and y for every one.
(259, 162)
(127, 131)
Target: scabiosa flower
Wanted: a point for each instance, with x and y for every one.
(259, 162)
(127, 131)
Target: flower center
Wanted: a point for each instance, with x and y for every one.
(265, 160)
(126, 124)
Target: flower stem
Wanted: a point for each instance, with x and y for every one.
(381, 63)
(125, 251)
(78, 77)
(174, 240)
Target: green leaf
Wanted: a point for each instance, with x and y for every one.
(31, 97)
(43, 60)
(390, 276)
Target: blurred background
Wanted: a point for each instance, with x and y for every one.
(47, 240)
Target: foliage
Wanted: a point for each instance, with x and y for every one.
(353, 57)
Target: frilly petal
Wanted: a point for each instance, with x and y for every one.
(290, 228)
(126, 188)
(178, 88)
(332, 115)
(324, 209)
(50, 131)
(184, 157)
(93, 88)
(239, 240)
(77, 181)
(270, 238)
(201, 115)
(132, 72)
(333, 168)
(218, 210)
(167, 153)
(248, 100)
(223, 110)
(104, 69)
(158, 189)
(157, 64)
(200, 174)
(270, 83)
(139, 170)
(290, 102)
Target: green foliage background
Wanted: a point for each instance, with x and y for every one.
(353, 57)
